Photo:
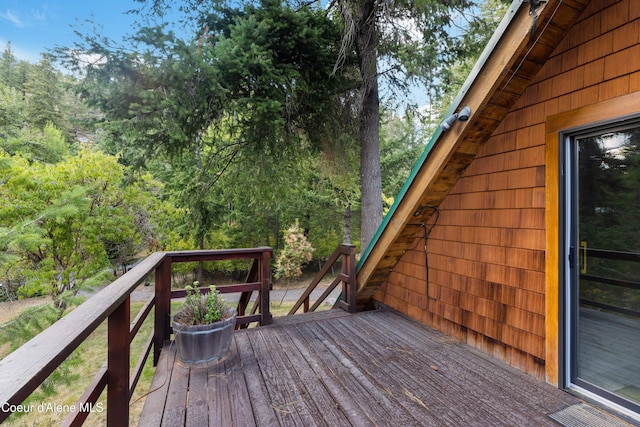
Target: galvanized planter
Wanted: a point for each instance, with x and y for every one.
(204, 343)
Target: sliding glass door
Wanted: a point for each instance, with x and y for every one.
(602, 171)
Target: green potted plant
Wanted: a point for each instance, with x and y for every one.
(203, 328)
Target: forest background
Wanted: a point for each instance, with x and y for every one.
(227, 133)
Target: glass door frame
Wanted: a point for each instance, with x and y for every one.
(570, 266)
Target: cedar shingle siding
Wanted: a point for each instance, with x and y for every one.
(487, 251)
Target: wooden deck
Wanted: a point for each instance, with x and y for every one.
(610, 345)
(335, 369)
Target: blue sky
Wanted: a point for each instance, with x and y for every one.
(32, 26)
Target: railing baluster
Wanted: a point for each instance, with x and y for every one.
(349, 286)
(118, 365)
(245, 297)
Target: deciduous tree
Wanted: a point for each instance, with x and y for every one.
(59, 221)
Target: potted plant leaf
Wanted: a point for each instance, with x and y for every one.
(203, 328)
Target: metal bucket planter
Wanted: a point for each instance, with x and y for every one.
(204, 343)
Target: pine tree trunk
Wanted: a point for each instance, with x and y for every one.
(347, 226)
(366, 39)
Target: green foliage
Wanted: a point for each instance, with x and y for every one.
(432, 44)
(12, 114)
(244, 126)
(264, 70)
(27, 325)
(36, 100)
(471, 43)
(276, 64)
(64, 222)
(401, 144)
(43, 95)
(47, 145)
(13, 73)
(215, 305)
(70, 380)
(296, 252)
(225, 121)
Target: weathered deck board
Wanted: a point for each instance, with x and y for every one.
(258, 394)
(284, 389)
(307, 344)
(426, 404)
(372, 402)
(175, 407)
(197, 405)
(373, 368)
(153, 409)
(325, 406)
(240, 406)
(454, 370)
(218, 391)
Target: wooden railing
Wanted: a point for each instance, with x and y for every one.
(627, 284)
(22, 371)
(347, 276)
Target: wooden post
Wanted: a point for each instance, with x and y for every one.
(305, 306)
(163, 308)
(265, 289)
(118, 365)
(349, 288)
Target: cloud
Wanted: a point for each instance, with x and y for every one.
(35, 17)
(13, 18)
(38, 15)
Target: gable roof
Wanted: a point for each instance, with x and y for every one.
(516, 52)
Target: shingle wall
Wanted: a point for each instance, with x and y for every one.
(487, 251)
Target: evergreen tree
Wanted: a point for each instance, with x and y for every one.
(44, 95)
(402, 143)
(7, 66)
(10, 69)
(12, 113)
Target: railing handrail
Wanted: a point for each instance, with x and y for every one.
(347, 277)
(216, 254)
(23, 370)
(617, 256)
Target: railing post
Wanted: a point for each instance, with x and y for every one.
(265, 289)
(349, 269)
(163, 308)
(118, 365)
(305, 305)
